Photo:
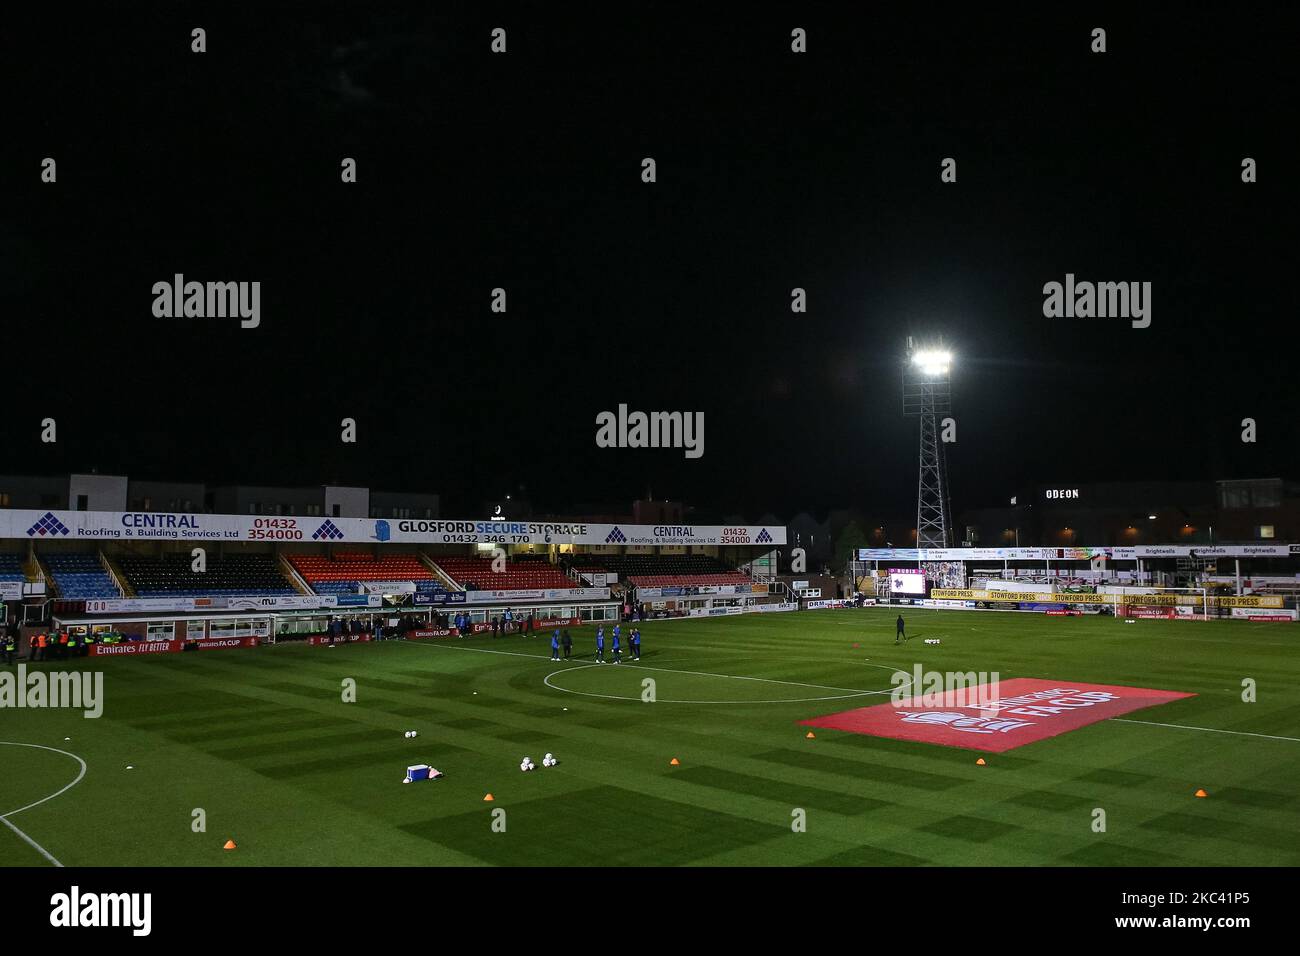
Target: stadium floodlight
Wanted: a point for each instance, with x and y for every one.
(927, 395)
(932, 362)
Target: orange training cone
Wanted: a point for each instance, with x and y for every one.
(1201, 793)
(810, 735)
(674, 762)
(230, 845)
(489, 797)
(980, 762)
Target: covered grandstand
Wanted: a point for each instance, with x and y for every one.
(198, 579)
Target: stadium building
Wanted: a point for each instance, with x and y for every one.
(98, 555)
(1136, 549)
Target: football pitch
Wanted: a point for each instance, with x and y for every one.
(260, 747)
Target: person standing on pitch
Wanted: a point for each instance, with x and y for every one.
(567, 641)
(899, 635)
(555, 645)
(618, 654)
(634, 641)
(600, 643)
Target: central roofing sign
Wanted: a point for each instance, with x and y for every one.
(153, 526)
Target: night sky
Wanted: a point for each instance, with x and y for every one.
(522, 170)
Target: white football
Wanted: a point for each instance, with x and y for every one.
(523, 766)
(532, 766)
(414, 733)
(549, 757)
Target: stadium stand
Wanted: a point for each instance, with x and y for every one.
(11, 568)
(80, 577)
(172, 576)
(662, 570)
(343, 573)
(476, 574)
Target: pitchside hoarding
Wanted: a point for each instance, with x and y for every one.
(219, 603)
(1076, 554)
(692, 590)
(1108, 597)
(558, 594)
(128, 648)
(152, 526)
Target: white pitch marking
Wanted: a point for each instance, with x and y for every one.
(4, 818)
(488, 650)
(646, 667)
(663, 700)
(853, 691)
(1208, 730)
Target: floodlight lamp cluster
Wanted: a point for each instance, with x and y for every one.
(932, 361)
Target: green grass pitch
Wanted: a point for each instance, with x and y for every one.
(262, 742)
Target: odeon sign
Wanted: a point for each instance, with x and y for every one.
(135, 525)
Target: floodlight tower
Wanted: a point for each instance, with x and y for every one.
(927, 395)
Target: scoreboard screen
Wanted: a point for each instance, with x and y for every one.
(907, 581)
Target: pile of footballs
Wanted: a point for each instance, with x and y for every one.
(527, 763)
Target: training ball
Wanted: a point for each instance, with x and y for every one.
(414, 734)
(549, 758)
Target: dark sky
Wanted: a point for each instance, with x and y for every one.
(523, 171)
